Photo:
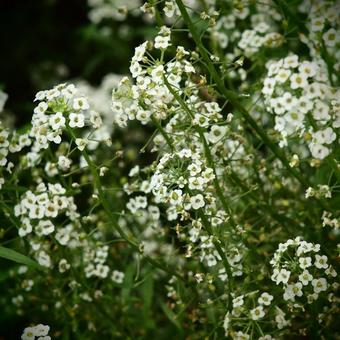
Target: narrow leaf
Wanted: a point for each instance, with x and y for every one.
(13, 255)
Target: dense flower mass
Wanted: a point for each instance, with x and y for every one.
(200, 200)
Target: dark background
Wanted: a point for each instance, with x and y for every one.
(45, 42)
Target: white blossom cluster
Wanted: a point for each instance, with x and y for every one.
(58, 110)
(305, 106)
(323, 26)
(37, 210)
(38, 332)
(117, 10)
(247, 307)
(10, 142)
(302, 271)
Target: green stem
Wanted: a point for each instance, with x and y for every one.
(207, 152)
(106, 205)
(234, 98)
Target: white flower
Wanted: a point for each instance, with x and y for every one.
(238, 301)
(25, 228)
(76, 120)
(319, 285)
(41, 108)
(265, 299)
(217, 133)
(282, 276)
(211, 260)
(196, 183)
(44, 259)
(140, 51)
(80, 103)
(283, 75)
(257, 313)
(319, 151)
(321, 262)
(297, 289)
(95, 120)
(308, 69)
(157, 74)
(64, 163)
(298, 80)
(41, 330)
(28, 334)
(134, 171)
(63, 266)
(330, 37)
(162, 41)
(240, 336)
(45, 227)
(81, 143)
(57, 121)
(197, 201)
(63, 236)
(305, 262)
(305, 277)
(291, 61)
(176, 197)
(117, 276)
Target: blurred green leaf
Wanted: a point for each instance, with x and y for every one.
(13, 255)
(171, 316)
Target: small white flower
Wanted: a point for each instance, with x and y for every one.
(257, 313)
(305, 262)
(76, 120)
(41, 330)
(283, 276)
(64, 163)
(331, 37)
(81, 143)
(95, 120)
(197, 201)
(44, 259)
(305, 277)
(265, 299)
(176, 197)
(319, 285)
(321, 262)
(80, 103)
(63, 266)
(217, 133)
(117, 276)
(41, 108)
(28, 334)
(298, 80)
(238, 301)
(57, 121)
(45, 227)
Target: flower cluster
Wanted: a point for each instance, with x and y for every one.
(38, 210)
(323, 30)
(304, 104)
(247, 309)
(303, 273)
(59, 110)
(39, 332)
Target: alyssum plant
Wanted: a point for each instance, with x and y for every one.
(228, 226)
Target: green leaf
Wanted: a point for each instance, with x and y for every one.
(13, 255)
(128, 283)
(171, 316)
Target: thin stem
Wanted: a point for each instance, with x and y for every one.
(234, 98)
(106, 205)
